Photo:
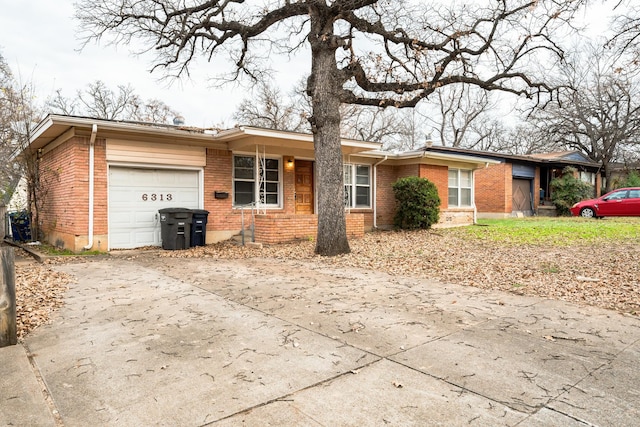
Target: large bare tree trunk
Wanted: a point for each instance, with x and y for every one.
(324, 85)
(8, 325)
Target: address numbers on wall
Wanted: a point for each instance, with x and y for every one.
(153, 197)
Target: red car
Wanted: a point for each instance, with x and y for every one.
(620, 202)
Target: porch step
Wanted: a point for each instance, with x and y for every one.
(238, 237)
(545, 210)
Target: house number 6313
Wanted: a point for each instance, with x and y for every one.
(157, 197)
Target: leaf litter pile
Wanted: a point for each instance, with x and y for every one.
(605, 275)
(39, 292)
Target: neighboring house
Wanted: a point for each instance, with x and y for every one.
(12, 200)
(520, 184)
(620, 172)
(18, 200)
(106, 180)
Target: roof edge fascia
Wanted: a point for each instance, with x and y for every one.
(430, 155)
(231, 134)
(85, 122)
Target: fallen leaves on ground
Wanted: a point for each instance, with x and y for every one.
(39, 292)
(605, 275)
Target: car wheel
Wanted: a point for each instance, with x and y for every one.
(587, 213)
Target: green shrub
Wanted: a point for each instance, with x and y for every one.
(632, 180)
(418, 203)
(569, 190)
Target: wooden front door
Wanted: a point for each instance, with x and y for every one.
(304, 187)
(521, 195)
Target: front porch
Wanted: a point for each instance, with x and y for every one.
(281, 227)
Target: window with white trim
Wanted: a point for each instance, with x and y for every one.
(357, 186)
(588, 177)
(460, 187)
(251, 177)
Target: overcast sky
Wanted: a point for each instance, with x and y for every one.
(38, 40)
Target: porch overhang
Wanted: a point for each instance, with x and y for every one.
(246, 138)
(433, 158)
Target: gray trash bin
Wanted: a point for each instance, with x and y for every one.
(175, 228)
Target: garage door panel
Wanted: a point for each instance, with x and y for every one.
(136, 195)
(118, 219)
(148, 219)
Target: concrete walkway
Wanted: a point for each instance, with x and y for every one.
(194, 342)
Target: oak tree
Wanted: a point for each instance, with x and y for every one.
(377, 53)
(598, 110)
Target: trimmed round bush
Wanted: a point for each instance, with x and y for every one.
(418, 203)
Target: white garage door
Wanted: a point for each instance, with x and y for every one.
(136, 195)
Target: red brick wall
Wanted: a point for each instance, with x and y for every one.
(65, 179)
(439, 175)
(218, 177)
(404, 171)
(277, 228)
(100, 192)
(385, 199)
(493, 188)
(387, 175)
(289, 186)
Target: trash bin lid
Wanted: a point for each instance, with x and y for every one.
(175, 210)
(200, 211)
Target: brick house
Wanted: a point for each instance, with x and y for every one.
(520, 184)
(106, 181)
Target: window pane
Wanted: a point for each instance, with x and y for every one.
(465, 195)
(272, 199)
(243, 167)
(362, 196)
(362, 180)
(362, 170)
(271, 163)
(272, 176)
(453, 197)
(272, 187)
(243, 162)
(466, 179)
(243, 173)
(453, 177)
(243, 192)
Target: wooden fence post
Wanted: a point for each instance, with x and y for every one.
(8, 326)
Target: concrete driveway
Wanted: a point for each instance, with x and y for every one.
(147, 340)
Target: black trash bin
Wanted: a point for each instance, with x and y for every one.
(175, 228)
(20, 226)
(199, 227)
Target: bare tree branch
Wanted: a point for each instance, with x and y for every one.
(366, 52)
(99, 101)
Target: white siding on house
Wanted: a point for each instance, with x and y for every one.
(154, 153)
